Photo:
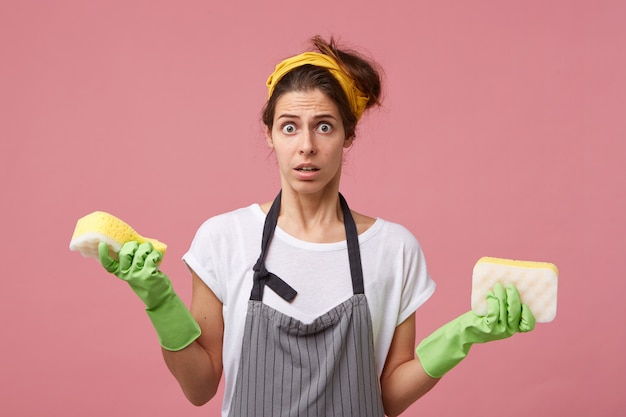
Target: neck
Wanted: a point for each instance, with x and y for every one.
(312, 217)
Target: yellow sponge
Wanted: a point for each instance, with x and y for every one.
(104, 227)
(536, 282)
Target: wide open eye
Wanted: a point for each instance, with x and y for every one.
(325, 127)
(288, 128)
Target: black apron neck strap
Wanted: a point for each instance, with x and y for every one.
(263, 277)
(354, 252)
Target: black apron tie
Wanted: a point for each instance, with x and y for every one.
(262, 276)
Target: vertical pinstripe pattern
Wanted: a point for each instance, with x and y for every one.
(325, 368)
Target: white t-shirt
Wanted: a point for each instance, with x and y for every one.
(227, 246)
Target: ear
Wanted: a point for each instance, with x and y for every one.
(268, 137)
(348, 142)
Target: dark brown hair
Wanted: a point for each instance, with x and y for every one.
(309, 77)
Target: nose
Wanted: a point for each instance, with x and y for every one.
(307, 142)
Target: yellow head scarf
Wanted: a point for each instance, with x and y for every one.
(357, 99)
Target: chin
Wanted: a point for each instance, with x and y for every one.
(312, 188)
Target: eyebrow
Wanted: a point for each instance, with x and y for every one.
(317, 116)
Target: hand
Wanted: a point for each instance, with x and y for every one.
(447, 346)
(506, 315)
(139, 266)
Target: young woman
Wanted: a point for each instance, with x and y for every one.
(308, 307)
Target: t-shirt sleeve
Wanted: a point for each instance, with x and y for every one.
(418, 286)
(200, 259)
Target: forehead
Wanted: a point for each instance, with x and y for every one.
(311, 101)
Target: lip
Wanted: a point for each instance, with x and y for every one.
(306, 171)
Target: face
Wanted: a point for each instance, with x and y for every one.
(308, 138)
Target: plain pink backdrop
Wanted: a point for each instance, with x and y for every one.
(502, 134)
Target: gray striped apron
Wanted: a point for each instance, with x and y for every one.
(324, 368)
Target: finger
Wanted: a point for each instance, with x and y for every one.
(153, 259)
(495, 309)
(107, 262)
(528, 320)
(514, 307)
(126, 255)
(140, 255)
(500, 294)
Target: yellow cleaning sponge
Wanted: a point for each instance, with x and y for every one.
(536, 282)
(104, 227)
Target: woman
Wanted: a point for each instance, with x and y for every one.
(306, 306)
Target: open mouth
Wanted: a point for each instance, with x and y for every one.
(307, 169)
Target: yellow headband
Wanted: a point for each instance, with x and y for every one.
(357, 99)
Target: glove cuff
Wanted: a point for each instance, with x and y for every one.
(436, 362)
(443, 349)
(173, 323)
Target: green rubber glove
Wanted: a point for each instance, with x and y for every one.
(447, 346)
(139, 266)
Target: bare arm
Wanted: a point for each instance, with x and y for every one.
(403, 380)
(198, 367)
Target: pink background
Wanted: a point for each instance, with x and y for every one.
(502, 134)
